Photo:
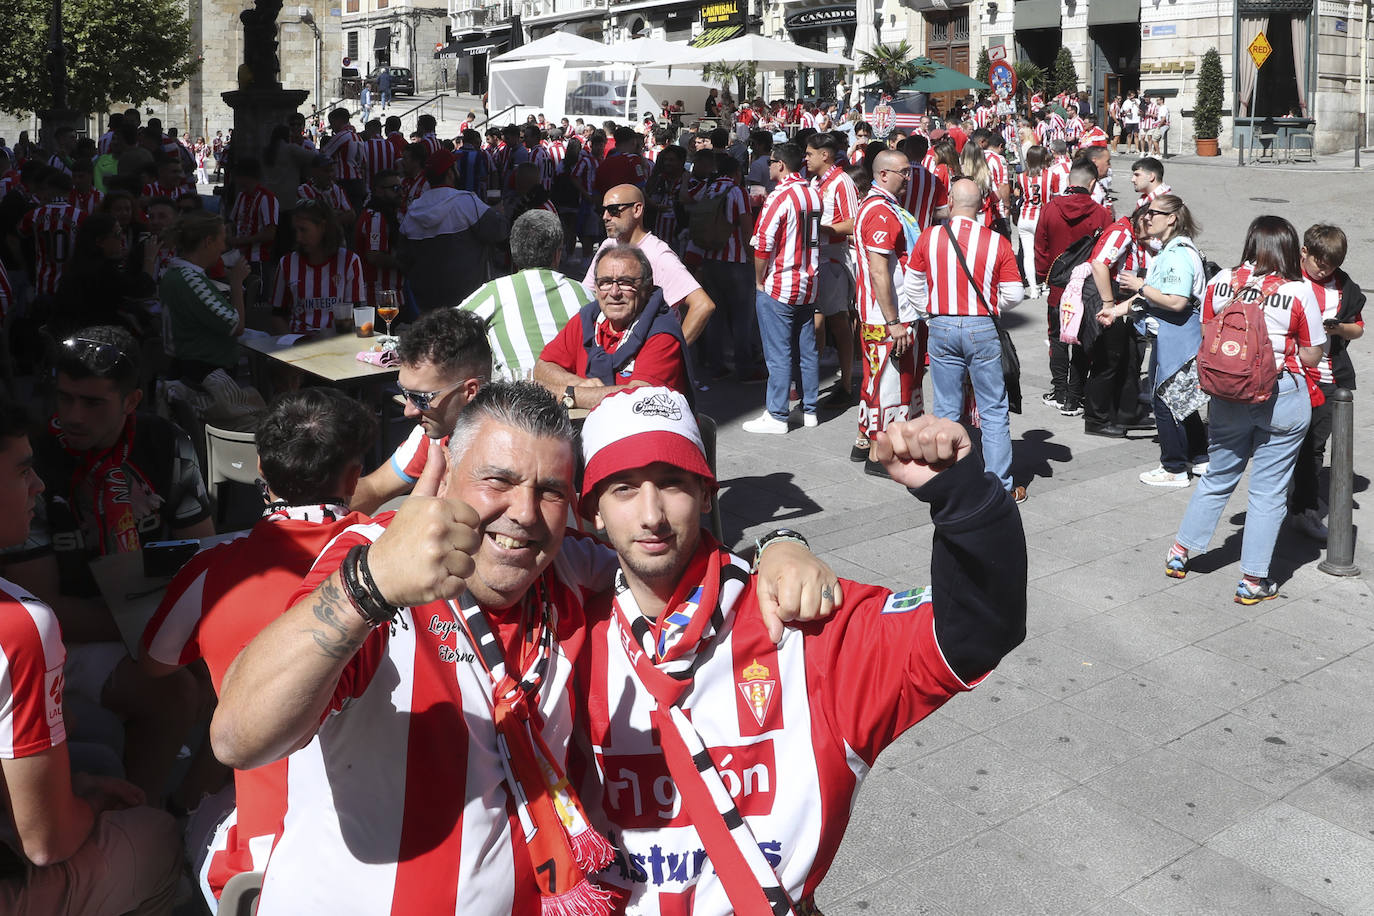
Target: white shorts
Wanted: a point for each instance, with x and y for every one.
(834, 288)
(89, 666)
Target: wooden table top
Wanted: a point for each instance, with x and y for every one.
(328, 355)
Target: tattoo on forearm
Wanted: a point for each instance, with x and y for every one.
(333, 638)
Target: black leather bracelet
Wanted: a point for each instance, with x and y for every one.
(777, 534)
(362, 591)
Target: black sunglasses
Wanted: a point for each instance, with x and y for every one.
(423, 400)
(96, 355)
(614, 209)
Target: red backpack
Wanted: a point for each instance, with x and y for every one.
(1236, 359)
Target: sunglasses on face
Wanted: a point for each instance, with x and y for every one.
(424, 400)
(96, 355)
(1151, 214)
(614, 209)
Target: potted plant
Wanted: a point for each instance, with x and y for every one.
(1207, 107)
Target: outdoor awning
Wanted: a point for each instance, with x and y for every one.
(716, 36)
(1112, 12)
(381, 39)
(1036, 14)
(473, 46)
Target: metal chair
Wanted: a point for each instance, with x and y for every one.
(1265, 144)
(240, 895)
(1307, 139)
(230, 456)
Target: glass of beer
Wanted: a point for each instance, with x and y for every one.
(388, 306)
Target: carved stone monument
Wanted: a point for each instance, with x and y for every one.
(260, 103)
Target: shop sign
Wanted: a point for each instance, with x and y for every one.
(1159, 30)
(722, 13)
(821, 17)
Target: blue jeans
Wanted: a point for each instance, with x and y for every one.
(1267, 437)
(789, 340)
(970, 346)
(731, 287)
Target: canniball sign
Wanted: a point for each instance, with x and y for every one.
(1003, 79)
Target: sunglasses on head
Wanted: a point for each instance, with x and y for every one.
(96, 355)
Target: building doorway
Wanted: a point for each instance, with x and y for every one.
(947, 44)
(1115, 61)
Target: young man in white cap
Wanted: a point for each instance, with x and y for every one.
(692, 708)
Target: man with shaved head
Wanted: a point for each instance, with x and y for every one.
(883, 233)
(622, 213)
(964, 275)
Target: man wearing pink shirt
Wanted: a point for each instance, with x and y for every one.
(622, 213)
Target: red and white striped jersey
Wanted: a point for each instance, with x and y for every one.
(1034, 195)
(332, 195)
(1149, 116)
(378, 154)
(878, 229)
(373, 233)
(982, 115)
(53, 230)
(556, 149)
(839, 202)
(1328, 298)
(158, 189)
(433, 142)
(929, 162)
(583, 172)
(398, 143)
(308, 292)
(347, 152)
(86, 203)
(925, 193)
(59, 162)
(736, 250)
(1073, 128)
(792, 729)
(1093, 136)
(31, 660)
(1117, 249)
(990, 260)
(412, 189)
(219, 601)
(1292, 315)
(403, 788)
(1057, 178)
(787, 235)
(997, 167)
(252, 213)
(103, 145)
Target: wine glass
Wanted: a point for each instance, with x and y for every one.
(388, 306)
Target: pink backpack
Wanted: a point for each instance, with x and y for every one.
(1236, 359)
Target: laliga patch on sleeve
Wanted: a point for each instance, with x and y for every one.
(909, 600)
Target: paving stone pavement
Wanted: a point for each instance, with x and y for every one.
(1153, 747)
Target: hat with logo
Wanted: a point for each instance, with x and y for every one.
(636, 428)
(438, 163)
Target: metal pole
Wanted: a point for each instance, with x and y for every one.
(1340, 539)
(319, 50)
(1361, 133)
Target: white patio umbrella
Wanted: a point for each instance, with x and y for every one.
(766, 54)
(560, 45)
(647, 52)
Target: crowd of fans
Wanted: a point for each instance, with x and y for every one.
(751, 248)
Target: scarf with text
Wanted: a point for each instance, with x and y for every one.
(562, 845)
(664, 654)
(105, 475)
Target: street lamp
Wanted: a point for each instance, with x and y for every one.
(307, 17)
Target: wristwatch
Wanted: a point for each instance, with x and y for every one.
(568, 400)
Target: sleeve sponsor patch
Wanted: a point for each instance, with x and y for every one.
(909, 600)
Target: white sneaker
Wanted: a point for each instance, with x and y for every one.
(1200, 468)
(765, 423)
(1162, 478)
(1310, 524)
(809, 420)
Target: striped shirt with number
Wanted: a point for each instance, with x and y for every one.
(788, 236)
(252, 213)
(525, 311)
(308, 292)
(1033, 196)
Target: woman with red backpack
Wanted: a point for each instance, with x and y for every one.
(1264, 429)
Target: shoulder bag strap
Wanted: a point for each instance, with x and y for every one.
(959, 253)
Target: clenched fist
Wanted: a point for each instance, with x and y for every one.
(914, 451)
(426, 552)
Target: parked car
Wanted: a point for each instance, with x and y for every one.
(598, 99)
(402, 80)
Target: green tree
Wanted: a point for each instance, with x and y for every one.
(892, 66)
(1065, 74)
(984, 64)
(1211, 88)
(1029, 78)
(117, 51)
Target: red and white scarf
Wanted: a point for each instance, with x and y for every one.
(664, 654)
(562, 845)
(105, 475)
